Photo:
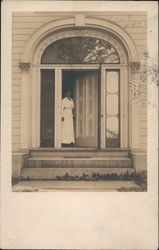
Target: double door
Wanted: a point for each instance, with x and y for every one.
(96, 96)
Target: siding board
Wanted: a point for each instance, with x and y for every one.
(16, 69)
(16, 117)
(16, 124)
(24, 31)
(15, 63)
(15, 132)
(95, 13)
(20, 37)
(16, 110)
(136, 36)
(15, 138)
(16, 89)
(16, 56)
(143, 132)
(15, 147)
(27, 25)
(34, 19)
(16, 96)
(135, 30)
(18, 44)
(15, 103)
(17, 50)
(16, 76)
(16, 84)
(142, 43)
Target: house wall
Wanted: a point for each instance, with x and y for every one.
(26, 23)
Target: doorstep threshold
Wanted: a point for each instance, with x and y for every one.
(80, 149)
(105, 158)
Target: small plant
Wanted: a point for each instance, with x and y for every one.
(15, 180)
(97, 177)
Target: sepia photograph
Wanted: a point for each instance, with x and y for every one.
(79, 110)
(79, 125)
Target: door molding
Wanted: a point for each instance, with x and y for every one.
(35, 103)
(65, 27)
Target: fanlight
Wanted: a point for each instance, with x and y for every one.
(80, 50)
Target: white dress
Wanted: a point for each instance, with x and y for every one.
(67, 124)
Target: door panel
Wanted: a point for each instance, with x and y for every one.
(47, 108)
(86, 132)
(112, 109)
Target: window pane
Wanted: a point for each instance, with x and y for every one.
(112, 104)
(112, 81)
(112, 109)
(112, 126)
(80, 50)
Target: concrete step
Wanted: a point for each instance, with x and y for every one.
(37, 162)
(78, 152)
(55, 173)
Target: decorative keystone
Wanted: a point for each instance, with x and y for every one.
(24, 66)
(80, 20)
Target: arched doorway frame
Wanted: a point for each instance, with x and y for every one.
(53, 31)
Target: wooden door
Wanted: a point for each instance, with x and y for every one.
(47, 108)
(86, 109)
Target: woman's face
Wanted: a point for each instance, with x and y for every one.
(68, 93)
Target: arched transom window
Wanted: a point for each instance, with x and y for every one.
(77, 50)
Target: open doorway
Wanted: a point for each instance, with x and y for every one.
(83, 88)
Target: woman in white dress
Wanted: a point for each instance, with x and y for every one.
(67, 120)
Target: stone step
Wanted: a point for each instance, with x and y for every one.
(37, 162)
(78, 153)
(55, 173)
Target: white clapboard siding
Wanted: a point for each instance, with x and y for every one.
(143, 131)
(16, 70)
(16, 111)
(16, 103)
(27, 25)
(33, 19)
(137, 30)
(16, 76)
(16, 138)
(143, 117)
(143, 125)
(16, 85)
(16, 56)
(41, 14)
(22, 31)
(139, 36)
(15, 132)
(16, 124)
(16, 50)
(15, 117)
(20, 37)
(16, 95)
(18, 44)
(15, 63)
(143, 139)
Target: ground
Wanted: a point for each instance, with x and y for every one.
(134, 183)
(51, 185)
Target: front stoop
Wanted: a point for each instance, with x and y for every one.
(50, 164)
